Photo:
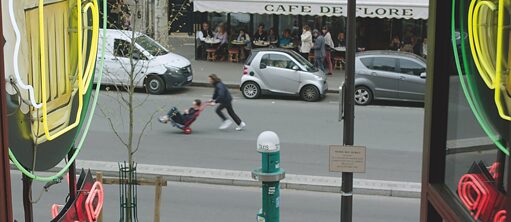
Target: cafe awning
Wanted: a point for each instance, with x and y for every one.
(400, 9)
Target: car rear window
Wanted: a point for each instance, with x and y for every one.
(250, 58)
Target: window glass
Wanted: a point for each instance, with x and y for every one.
(478, 137)
(384, 64)
(289, 22)
(150, 45)
(304, 62)
(122, 49)
(265, 59)
(266, 20)
(410, 67)
(280, 61)
(215, 19)
(367, 61)
(240, 21)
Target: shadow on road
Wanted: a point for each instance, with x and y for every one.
(398, 104)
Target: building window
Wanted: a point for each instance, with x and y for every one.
(215, 19)
(290, 22)
(240, 21)
(266, 20)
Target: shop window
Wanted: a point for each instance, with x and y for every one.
(290, 22)
(315, 22)
(240, 21)
(215, 19)
(478, 136)
(266, 20)
(336, 25)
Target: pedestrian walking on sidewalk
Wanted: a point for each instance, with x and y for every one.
(223, 97)
(319, 50)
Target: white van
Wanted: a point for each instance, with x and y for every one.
(156, 68)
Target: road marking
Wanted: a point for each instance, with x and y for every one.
(189, 44)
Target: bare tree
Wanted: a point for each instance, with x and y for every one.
(124, 84)
(122, 87)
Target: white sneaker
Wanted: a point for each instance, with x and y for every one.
(241, 126)
(225, 124)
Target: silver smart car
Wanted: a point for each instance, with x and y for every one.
(389, 75)
(284, 72)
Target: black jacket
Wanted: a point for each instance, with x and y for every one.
(222, 94)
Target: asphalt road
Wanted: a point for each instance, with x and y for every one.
(393, 135)
(198, 202)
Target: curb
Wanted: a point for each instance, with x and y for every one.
(243, 178)
(237, 86)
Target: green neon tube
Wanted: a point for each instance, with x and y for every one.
(87, 125)
(475, 109)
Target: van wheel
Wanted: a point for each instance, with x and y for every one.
(251, 90)
(310, 93)
(155, 85)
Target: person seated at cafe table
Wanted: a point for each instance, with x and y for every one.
(341, 40)
(245, 38)
(260, 35)
(286, 38)
(202, 35)
(221, 50)
(273, 38)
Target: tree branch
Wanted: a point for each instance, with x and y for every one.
(142, 133)
(113, 127)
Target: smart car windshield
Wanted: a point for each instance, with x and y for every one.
(151, 46)
(303, 62)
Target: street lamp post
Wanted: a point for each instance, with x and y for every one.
(349, 111)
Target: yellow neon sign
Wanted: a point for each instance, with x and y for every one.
(82, 84)
(488, 49)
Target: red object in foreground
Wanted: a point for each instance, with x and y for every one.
(87, 205)
(481, 197)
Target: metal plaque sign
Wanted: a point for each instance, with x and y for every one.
(347, 159)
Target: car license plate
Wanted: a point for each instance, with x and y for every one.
(189, 78)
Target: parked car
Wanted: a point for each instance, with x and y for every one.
(281, 71)
(389, 75)
(156, 68)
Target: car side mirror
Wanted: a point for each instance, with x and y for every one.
(423, 75)
(295, 68)
(262, 66)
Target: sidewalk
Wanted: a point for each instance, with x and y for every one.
(243, 178)
(230, 73)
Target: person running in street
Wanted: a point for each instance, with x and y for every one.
(223, 97)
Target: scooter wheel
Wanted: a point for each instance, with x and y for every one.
(187, 131)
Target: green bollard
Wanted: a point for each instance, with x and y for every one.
(270, 174)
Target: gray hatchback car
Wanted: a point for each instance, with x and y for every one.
(284, 72)
(389, 75)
